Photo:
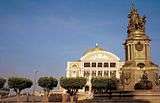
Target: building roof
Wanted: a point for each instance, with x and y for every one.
(97, 48)
(98, 53)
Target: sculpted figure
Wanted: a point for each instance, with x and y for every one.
(136, 22)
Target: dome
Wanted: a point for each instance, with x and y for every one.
(97, 48)
(98, 53)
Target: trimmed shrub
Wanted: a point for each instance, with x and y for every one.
(103, 85)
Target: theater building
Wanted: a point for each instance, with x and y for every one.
(96, 62)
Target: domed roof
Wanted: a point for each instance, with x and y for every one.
(97, 48)
(98, 53)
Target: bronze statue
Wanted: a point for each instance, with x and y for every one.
(136, 22)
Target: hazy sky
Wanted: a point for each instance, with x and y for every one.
(45, 34)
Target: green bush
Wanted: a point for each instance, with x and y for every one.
(73, 84)
(2, 82)
(47, 83)
(102, 85)
(19, 83)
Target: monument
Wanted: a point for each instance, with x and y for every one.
(137, 52)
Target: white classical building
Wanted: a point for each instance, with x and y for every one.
(96, 62)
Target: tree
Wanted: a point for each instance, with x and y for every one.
(72, 85)
(47, 83)
(2, 82)
(103, 85)
(18, 84)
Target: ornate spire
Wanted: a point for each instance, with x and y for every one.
(135, 22)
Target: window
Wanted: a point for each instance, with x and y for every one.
(86, 73)
(100, 73)
(86, 64)
(105, 64)
(113, 74)
(99, 64)
(112, 64)
(106, 73)
(93, 64)
(93, 73)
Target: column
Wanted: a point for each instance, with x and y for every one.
(102, 73)
(149, 51)
(132, 51)
(128, 51)
(90, 77)
(146, 51)
(82, 72)
(109, 75)
(96, 73)
(117, 74)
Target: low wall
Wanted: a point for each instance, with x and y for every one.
(126, 97)
(152, 97)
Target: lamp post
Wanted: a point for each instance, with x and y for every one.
(35, 81)
(34, 84)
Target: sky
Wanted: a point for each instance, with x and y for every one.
(43, 35)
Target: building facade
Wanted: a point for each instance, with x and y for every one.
(96, 62)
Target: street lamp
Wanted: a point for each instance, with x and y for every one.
(34, 84)
(35, 81)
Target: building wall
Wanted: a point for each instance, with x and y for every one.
(95, 64)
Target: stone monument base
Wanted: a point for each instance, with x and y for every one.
(139, 96)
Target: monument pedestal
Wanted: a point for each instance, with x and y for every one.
(133, 75)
